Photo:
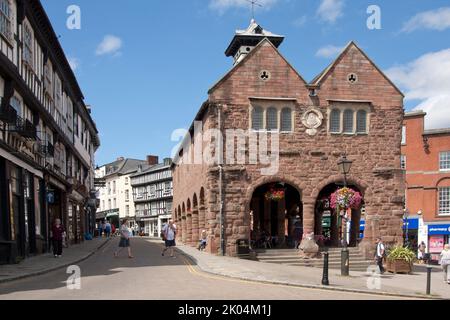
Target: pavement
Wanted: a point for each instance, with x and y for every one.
(46, 263)
(151, 276)
(409, 286)
(195, 275)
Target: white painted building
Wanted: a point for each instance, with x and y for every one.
(116, 197)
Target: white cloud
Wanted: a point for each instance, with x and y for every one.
(74, 63)
(330, 10)
(109, 45)
(438, 19)
(329, 51)
(300, 22)
(223, 5)
(427, 79)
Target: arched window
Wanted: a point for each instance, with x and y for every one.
(361, 121)
(286, 120)
(348, 121)
(335, 121)
(272, 119)
(258, 118)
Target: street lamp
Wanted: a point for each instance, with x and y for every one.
(345, 165)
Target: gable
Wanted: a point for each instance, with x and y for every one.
(371, 85)
(244, 81)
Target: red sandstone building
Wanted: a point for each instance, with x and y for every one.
(350, 108)
(426, 159)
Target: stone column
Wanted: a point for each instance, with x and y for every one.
(195, 228)
(188, 229)
(201, 220)
(183, 228)
(211, 224)
(308, 247)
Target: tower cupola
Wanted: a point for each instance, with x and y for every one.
(245, 40)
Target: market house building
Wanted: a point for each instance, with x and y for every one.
(426, 160)
(47, 137)
(350, 108)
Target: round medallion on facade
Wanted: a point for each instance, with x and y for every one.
(264, 75)
(312, 120)
(352, 78)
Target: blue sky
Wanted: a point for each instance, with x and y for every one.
(146, 66)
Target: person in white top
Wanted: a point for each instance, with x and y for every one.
(380, 254)
(445, 262)
(169, 232)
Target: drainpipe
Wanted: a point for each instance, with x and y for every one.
(219, 161)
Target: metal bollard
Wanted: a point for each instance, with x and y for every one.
(325, 280)
(429, 269)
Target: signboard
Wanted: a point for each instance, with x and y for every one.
(51, 197)
(440, 229)
(413, 224)
(326, 222)
(436, 244)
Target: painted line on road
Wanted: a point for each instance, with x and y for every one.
(193, 271)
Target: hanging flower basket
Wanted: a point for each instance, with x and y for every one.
(346, 198)
(275, 194)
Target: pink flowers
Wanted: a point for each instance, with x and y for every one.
(346, 198)
(275, 194)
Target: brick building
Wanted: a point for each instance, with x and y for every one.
(350, 108)
(426, 159)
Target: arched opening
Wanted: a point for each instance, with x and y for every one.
(329, 223)
(276, 216)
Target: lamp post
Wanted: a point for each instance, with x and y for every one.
(345, 165)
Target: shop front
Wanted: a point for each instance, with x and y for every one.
(438, 237)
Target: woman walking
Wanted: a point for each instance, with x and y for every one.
(124, 239)
(445, 262)
(58, 233)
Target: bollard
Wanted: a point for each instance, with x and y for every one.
(429, 269)
(325, 280)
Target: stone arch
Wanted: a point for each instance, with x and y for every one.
(202, 196)
(362, 186)
(280, 214)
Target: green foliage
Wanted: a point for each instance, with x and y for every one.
(401, 253)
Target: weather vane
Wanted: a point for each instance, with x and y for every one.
(254, 3)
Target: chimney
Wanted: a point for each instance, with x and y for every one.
(167, 161)
(152, 160)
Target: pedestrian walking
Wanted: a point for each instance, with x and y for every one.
(108, 229)
(422, 251)
(445, 262)
(104, 227)
(203, 241)
(100, 229)
(125, 234)
(57, 235)
(380, 254)
(169, 232)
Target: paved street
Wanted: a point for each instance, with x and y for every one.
(151, 276)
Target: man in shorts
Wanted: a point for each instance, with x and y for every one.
(170, 233)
